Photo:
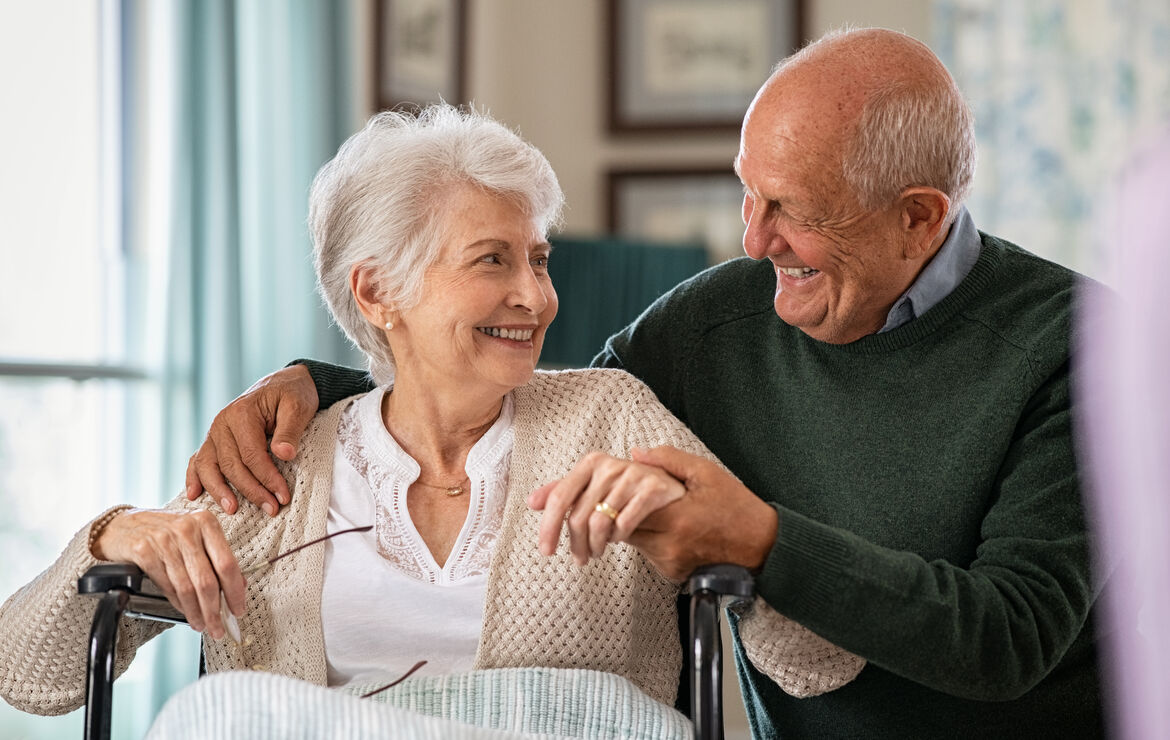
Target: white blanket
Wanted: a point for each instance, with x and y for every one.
(481, 705)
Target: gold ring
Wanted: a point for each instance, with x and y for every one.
(606, 509)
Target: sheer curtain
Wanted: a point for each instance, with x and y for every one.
(1061, 91)
(246, 102)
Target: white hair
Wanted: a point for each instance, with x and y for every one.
(380, 201)
(912, 131)
(911, 135)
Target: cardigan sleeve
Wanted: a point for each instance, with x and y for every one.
(44, 634)
(798, 660)
(44, 626)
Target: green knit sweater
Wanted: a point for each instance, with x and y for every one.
(930, 513)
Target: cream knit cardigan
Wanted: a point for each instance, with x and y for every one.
(617, 614)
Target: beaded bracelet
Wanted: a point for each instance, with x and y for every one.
(96, 528)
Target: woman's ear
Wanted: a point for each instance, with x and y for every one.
(924, 211)
(363, 283)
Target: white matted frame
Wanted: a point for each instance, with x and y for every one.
(694, 64)
(419, 51)
(679, 205)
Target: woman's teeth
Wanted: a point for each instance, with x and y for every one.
(518, 335)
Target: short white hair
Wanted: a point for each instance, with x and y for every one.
(380, 201)
(910, 133)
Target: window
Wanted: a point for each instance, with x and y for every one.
(79, 408)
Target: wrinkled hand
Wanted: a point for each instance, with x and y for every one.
(281, 404)
(185, 554)
(632, 489)
(718, 520)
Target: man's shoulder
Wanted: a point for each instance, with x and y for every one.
(1027, 300)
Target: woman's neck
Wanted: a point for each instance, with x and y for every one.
(438, 429)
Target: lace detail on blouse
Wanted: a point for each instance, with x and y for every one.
(389, 472)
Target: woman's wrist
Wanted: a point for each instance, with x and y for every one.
(99, 527)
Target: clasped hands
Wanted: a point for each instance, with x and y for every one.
(681, 511)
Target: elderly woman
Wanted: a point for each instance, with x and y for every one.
(431, 251)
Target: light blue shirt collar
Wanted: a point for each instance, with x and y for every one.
(944, 272)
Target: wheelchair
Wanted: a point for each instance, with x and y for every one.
(122, 589)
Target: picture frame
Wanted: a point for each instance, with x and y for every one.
(672, 205)
(678, 65)
(419, 52)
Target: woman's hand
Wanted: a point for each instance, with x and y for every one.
(630, 491)
(185, 554)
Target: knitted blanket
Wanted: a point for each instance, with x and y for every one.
(481, 705)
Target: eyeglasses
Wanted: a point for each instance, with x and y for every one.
(232, 626)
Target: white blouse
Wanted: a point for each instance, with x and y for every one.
(386, 603)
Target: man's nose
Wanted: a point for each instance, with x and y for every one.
(760, 237)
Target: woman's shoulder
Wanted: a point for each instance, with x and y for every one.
(583, 383)
(576, 393)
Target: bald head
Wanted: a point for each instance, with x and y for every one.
(878, 107)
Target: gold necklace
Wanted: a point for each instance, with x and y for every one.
(456, 490)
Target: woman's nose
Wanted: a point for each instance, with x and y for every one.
(527, 290)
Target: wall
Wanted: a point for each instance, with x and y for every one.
(540, 66)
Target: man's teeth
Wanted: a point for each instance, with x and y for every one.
(797, 272)
(519, 335)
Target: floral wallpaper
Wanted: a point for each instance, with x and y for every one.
(1063, 91)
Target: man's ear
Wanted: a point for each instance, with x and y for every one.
(923, 212)
(363, 283)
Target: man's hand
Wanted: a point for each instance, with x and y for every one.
(718, 520)
(281, 404)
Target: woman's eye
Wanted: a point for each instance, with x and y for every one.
(491, 259)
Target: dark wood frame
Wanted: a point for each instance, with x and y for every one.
(620, 122)
(615, 177)
(381, 50)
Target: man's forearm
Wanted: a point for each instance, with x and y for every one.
(335, 382)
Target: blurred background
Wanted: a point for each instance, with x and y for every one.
(156, 158)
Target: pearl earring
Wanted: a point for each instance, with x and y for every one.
(389, 325)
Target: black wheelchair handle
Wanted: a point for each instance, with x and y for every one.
(102, 578)
(711, 587)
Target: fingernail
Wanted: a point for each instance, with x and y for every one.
(269, 508)
(226, 503)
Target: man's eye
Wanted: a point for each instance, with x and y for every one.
(491, 259)
(541, 261)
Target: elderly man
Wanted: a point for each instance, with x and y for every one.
(889, 385)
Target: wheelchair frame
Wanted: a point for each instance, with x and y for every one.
(122, 589)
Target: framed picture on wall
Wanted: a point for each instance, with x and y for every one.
(678, 205)
(682, 64)
(420, 51)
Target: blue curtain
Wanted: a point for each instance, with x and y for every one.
(262, 98)
(604, 284)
